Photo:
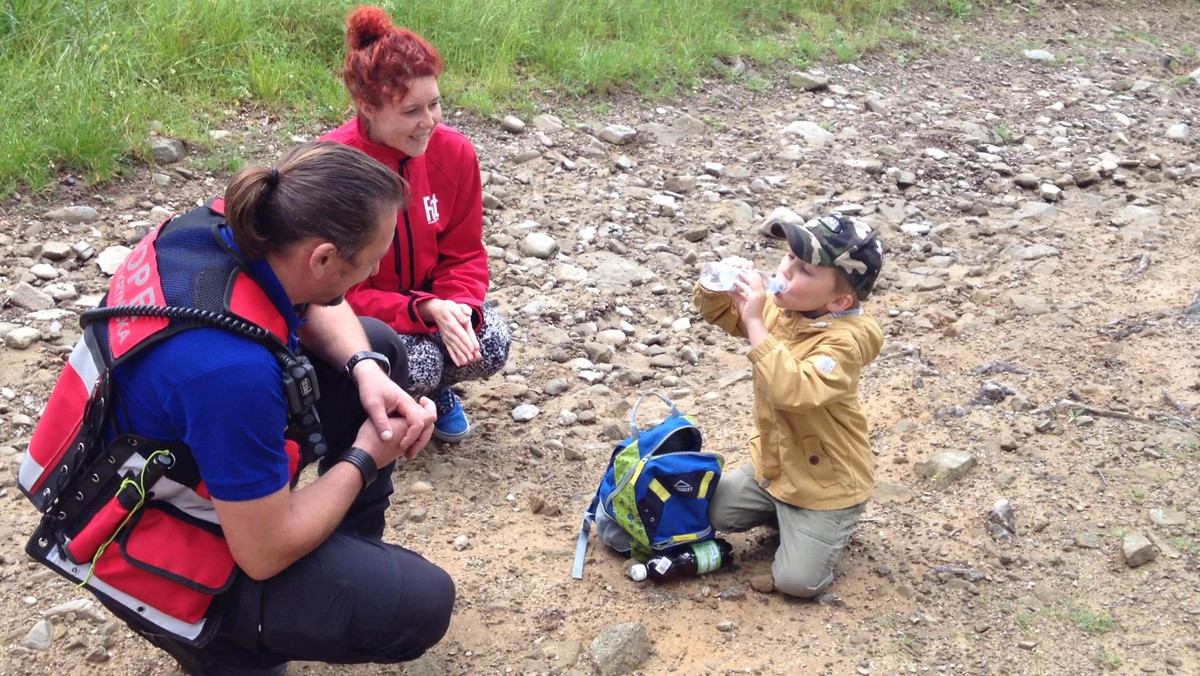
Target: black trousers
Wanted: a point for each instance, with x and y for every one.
(354, 599)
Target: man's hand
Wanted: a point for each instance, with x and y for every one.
(381, 397)
(399, 429)
(454, 323)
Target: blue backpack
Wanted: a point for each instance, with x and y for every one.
(655, 493)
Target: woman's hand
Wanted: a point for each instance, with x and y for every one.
(454, 323)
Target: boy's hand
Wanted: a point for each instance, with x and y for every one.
(749, 295)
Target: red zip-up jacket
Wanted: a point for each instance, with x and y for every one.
(437, 251)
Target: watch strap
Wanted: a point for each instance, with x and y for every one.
(382, 360)
(363, 462)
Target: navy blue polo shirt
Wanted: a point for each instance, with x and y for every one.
(221, 394)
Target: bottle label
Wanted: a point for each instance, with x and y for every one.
(708, 556)
(662, 564)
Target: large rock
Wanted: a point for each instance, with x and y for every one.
(22, 338)
(166, 150)
(539, 245)
(73, 214)
(808, 81)
(945, 467)
(812, 133)
(56, 251)
(779, 215)
(615, 272)
(1137, 549)
(661, 133)
(1135, 215)
(40, 636)
(620, 649)
(25, 295)
(111, 258)
(618, 134)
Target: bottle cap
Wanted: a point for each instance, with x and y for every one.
(638, 572)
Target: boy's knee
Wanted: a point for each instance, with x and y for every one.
(803, 584)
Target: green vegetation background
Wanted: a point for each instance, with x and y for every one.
(81, 82)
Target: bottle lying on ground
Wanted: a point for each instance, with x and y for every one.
(686, 561)
(721, 277)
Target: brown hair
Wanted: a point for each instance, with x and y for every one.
(383, 59)
(325, 190)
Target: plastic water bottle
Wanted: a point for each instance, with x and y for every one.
(687, 561)
(722, 277)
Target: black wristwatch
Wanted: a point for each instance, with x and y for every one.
(364, 462)
(384, 363)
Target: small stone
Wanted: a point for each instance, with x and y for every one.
(1137, 549)
(1166, 518)
(420, 487)
(418, 514)
(680, 184)
(555, 386)
(813, 133)
(726, 625)
(763, 584)
(512, 124)
(1050, 192)
(83, 251)
(936, 154)
(525, 412)
(618, 134)
(44, 271)
(875, 105)
(526, 156)
(905, 179)
(1178, 132)
(56, 251)
(1026, 180)
(1087, 178)
(461, 542)
(1027, 645)
(1039, 55)
(166, 150)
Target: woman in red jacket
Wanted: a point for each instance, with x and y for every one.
(431, 287)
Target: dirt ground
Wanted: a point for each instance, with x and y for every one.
(1049, 332)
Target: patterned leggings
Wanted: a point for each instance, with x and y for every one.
(430, 367)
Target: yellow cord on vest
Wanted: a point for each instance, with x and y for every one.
(140, 487)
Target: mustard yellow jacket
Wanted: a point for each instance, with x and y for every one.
(812, 447)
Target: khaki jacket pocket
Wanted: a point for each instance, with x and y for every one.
(819, 464)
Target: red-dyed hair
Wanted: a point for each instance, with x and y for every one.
(383, 59)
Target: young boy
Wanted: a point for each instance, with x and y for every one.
(812, 467)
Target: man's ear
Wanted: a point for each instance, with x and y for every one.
(321, 259)
(841, 303)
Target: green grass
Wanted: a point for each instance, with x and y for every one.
(1091, 621)
(1185, 545)
(82, 81)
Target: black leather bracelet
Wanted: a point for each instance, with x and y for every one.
(363, 462)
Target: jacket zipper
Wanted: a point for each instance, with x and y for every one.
(412, 268)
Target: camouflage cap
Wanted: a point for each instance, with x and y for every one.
(837, 241)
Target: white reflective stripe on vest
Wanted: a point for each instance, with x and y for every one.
(85, 365)
(56, 559)
(174, 493)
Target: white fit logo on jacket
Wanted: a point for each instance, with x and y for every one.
(431, 210)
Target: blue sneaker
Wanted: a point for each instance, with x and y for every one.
(452, 425)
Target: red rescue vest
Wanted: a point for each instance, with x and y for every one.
(132, 520)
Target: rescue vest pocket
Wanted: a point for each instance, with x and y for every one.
(170, 561)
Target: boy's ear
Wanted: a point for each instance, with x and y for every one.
(841, 303)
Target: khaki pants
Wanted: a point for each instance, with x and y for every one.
(810, 541)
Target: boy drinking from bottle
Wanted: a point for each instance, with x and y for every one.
(811, 471)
